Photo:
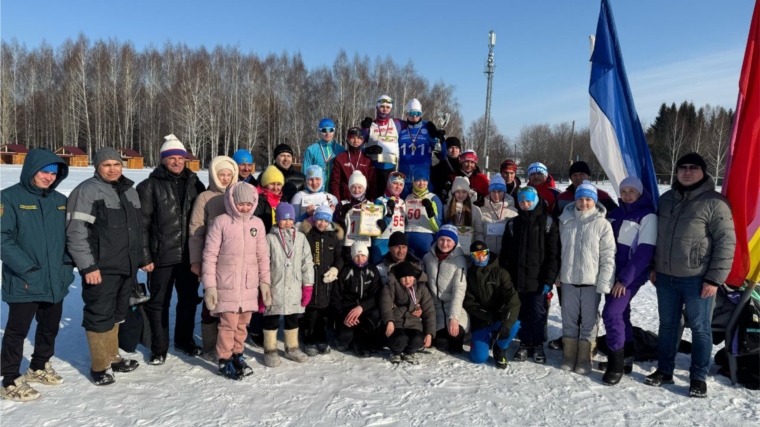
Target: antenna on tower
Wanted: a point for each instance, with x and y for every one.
(489, 70)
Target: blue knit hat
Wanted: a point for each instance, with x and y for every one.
(242, 156)
(420, 173)
(326, 123)
(285, 211)
(528, 194)
(52, 168)
(538, 167)
(497, 184)
(449, 231)
(323, 213)
(586, 189)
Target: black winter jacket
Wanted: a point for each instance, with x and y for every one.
(263, 212)
(325, 249)
(294, 182)
(529, 251)
(357, 286)
(166, 214)
(490, 296)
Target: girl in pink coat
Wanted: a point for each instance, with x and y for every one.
(236, 275)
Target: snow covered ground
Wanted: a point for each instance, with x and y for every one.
(341, 390)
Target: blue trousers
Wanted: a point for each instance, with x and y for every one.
(673, 293)
(481, 341)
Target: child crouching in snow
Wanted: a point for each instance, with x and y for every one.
(292, 280)
(235, 242)
(408, 313)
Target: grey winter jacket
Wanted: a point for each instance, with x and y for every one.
(287, 280)
(447, 281)
(695, 234)
(397, 305)
(588, 249)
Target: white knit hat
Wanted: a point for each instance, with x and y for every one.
(172, 147)
(413, 105)
(357, 178)
(359, 248)
(460, 183)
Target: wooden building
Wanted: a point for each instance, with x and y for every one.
(192, 162)
(73, 156)
(131, 158)
(13, 154)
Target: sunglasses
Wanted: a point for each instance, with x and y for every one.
(415, 113)
(385, 101)
(480, 254)
(684, 168)
(327, 130)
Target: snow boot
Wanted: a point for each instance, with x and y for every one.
(395, 359)
(583, 362)
(522, 353)
(19, 391)
(629, 351)
(323, 348)
(242, 367)
(538, 354)
(102, 377)
(556, 344)
(410, 358)
(500, 357)
(157, 359)
(697, 388)
(614, 367)
(360, 350)
(271, 358)
(570, 353)
(101, 354)
(46, 376)
(209, 334)
(658, 378)
(118, 363)
(124, 365)
(310, 350)
(292, 349)
(227, 369)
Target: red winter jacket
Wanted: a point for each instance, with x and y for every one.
(549, 192)
(342, 168)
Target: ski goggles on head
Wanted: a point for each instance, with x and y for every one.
(415, 113)
(354, 132)
(327, 130)
(384, 102)
(480, 254)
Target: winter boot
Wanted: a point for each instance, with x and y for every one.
(271, 358)
(583, 362)
(227, 369)
(157, 359)
(190, 349)
(292, 350)
(360, 349)
(46, 376)
(523, 353)
(19, 391)
(658, 378)
(311, 350)
(556, 344)
(118, 363)
(538, 354)
(101, 354)
(209, 334)
(102, 377)
(697, 388)
(125, 365)
(323, 348)
(410, 358)
(628, 358)
(570, 353)
(500, 357)
(395, 359)
(614, 367)
(238, 361)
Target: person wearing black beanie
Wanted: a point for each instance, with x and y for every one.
(398, 238)
(580, 166)
(440, 174)
(398, 252)
(294, 181)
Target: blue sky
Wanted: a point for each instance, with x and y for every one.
(673, 49)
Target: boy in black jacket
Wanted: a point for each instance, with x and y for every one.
(354, 302)
(325, 248)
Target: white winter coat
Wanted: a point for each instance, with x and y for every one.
(287, 281)
(477, 221)
(447, 281)
(491, 213)
(588, 248)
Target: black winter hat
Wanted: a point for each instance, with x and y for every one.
(282, 148)
(453, 141)
(398, 238)
(478, 245)
(692, 159)
(405, 269)
(580, 166)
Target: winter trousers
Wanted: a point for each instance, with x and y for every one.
(482, 340)
(272, 323)
(617, 318)
(407, 341)
(161, 281)
(444, 341)
(314, 326)
(233, 329)
(420, 243)
(673, 293)
(20, 315)
(532, 318)
(363, 333)
(580, 302)
(106, 304)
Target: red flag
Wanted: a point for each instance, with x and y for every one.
(742, 182)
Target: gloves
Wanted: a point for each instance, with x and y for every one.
(391, 206)
(428, 207)
(306, 292)
(211, 298)
(435, 132)
(547, 288)
(504, 331)
(331, 275)
(366, 123)
(265, 293)
(382, 225)
(375, 149)
(262, 307)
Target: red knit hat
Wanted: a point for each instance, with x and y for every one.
(509, 164)
(468, 156)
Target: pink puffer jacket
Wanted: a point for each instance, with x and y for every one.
(236, 257)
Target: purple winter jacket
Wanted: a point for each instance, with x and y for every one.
(635, 228)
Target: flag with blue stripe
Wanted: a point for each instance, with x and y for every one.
(617, 137)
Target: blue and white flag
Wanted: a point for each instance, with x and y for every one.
(616, 134)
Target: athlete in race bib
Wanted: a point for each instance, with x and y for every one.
(350, 213)
(424, 214)
(382, 136)
(496, 210)
(395, 217)
(416, 141)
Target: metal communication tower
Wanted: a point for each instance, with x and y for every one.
(489, 70)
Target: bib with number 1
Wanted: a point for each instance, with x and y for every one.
(352, 234)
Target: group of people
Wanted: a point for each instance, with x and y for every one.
(447, 257)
